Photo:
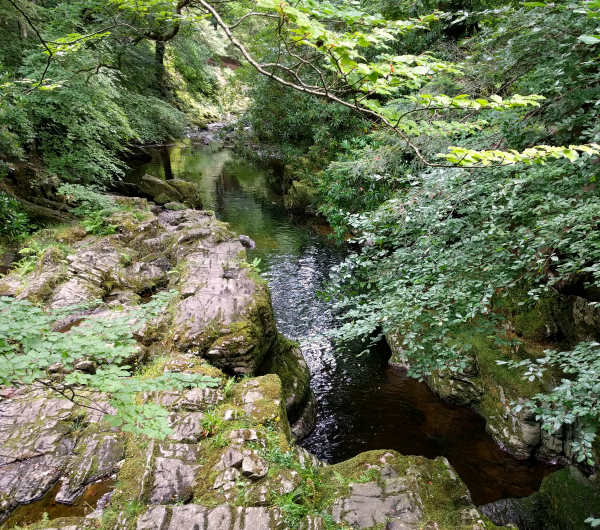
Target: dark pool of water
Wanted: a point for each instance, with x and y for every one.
(364, 403)
(34, 512)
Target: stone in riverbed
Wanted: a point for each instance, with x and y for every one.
(189, 191)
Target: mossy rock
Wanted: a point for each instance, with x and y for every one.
(189, 192)
(300, 196)
(286, 361)
(159, 190)
(175, 206)
(70, 234)
(565, 500)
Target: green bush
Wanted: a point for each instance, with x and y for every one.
(14, 222)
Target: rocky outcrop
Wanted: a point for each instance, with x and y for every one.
(45, 439)
(222, 313)
(565, 500)
(233, 466)
(230, 462)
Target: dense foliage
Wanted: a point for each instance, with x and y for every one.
(444, 251)
(458, 147)
(14, 222)
(81, 81)
(445, 255)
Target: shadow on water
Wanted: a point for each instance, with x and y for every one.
(364, 403)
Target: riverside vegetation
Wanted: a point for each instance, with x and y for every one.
(455, 143)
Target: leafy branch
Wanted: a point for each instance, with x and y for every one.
(33, 354)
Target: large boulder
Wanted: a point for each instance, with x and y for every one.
(223, 309)
(565, 500)
(189, 191)
(160, 191)
(171, 191)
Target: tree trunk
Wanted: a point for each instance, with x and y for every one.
(166, 160)
(160, 66)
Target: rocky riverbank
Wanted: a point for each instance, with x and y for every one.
(566, 497)
(231, 461)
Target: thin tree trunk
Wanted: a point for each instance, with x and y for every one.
(160, 66)
(166, 160)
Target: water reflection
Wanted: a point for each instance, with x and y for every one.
(364, 404)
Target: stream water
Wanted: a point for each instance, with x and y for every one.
(364, 403)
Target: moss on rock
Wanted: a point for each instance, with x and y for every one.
(300, 196)
(565, 500)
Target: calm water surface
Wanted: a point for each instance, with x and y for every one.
(364, 403)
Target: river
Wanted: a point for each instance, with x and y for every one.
(364, 403)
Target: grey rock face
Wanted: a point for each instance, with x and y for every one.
(153, 519)
(223, 517)
(93, 458)
(191, 516)
(173, 481)
(223, 314)
(247, 242)
(365, 511)
(88, 271)
(214, 295)
(254, 467)
(36, 451)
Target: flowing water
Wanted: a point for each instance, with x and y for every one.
(364, 403)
